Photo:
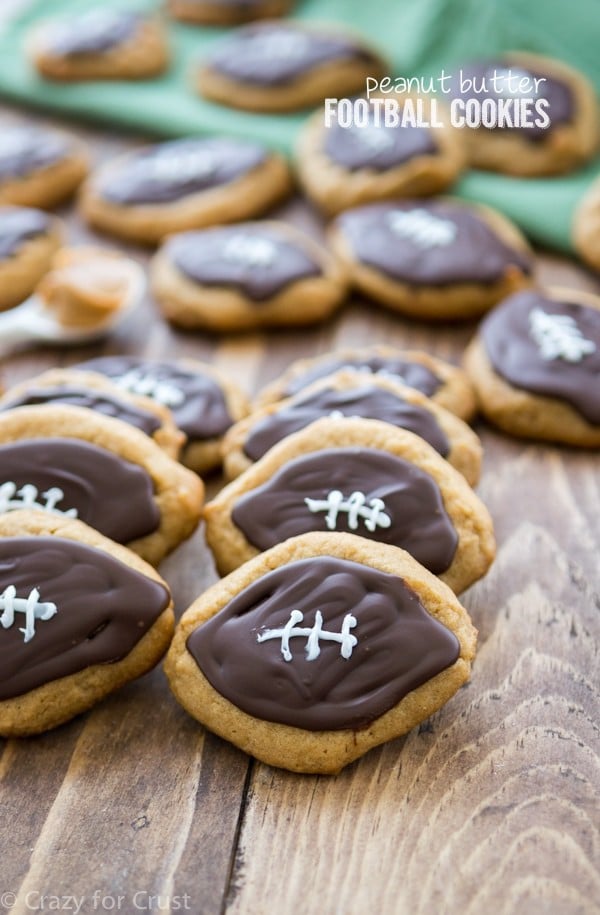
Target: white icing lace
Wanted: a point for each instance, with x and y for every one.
(558, 337)
(182, 165)
(422, 227)
(356, 506)
(313, 635)
(247, 249)
(137, 381)
(31, 606)
(28, 496)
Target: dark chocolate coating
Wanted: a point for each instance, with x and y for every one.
(367, 401)
(24, 150)
(377, 148)
(207, 256)
(420, 525)
(271, 54)
(19, 225)
(414, 374)
(475, 254)
(561, 102)
(400, 646)
(516, 356)
(170, 171)
(80, 396)
(110, 494)
(202, 411)
(104, 608)
(92, 32)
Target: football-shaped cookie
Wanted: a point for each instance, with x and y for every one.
(319, 649)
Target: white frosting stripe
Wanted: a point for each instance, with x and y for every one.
(313, 635)
(30, 606)
(356, 507)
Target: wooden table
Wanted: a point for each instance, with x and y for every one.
(489, 807)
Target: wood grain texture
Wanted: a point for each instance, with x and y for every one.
(491, 806)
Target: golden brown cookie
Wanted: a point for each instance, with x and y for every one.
(255, 274)
(341, 167)
(567, 132)
(586, 226)
(227, 12)
(535, 365)
(204, 402)
(361, 642)
(184, 184)
(99, 43)
(352, 394)
(95, 392)
(39, 167)
(80, 616)
(432, 259)
(444, 383)
(283, 66)
(71, 461)
(28, 241)
(361, 476)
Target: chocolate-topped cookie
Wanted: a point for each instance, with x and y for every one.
(79, 617)
(357, 475)
(535, 365)
(204, 403)
(28, 240)
(549, 114)
(443, 383)
(254, 274)
(184, 184)
(362, 642)
(227, 12)
(95, 392)
(99, 43)
(432, 259)
(73, 462)
(342, 167)
(283, 66)
(353, 394)
(39, 167)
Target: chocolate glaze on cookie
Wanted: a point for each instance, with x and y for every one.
(196, 401)
(80, 396)
(24, 150)
(367, 401)
(273, 54)
(256, 260)
(170, 171)
(429, 243)
(19, 225)
(378, 148)
(93, 32)
(103, 609)
(297, 499)
(109, 493)
(561, 102)
(398, 646)
(554, 358)
(414, 374)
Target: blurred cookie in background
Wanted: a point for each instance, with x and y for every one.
(28, 241)
(586, 226)
(39, 167)
(99, 43)
(341, 167)
(184, 184)
(254, 274)
(285, 66)
(432, 259)
(557, 97)
(227, 12)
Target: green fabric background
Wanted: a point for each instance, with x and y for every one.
(418, 36)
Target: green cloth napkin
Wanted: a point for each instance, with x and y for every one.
(417, 36)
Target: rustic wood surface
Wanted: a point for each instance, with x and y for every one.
(491, 806)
